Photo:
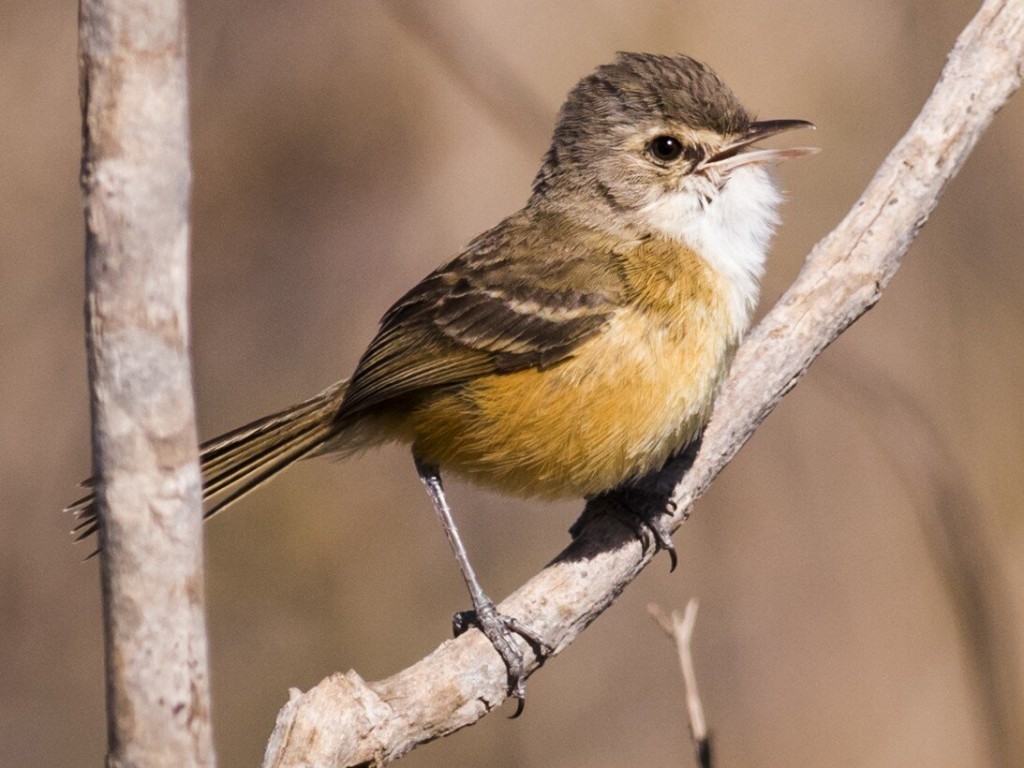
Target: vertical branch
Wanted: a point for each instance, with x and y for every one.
(136, 180)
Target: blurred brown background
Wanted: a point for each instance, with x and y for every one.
(857, 564)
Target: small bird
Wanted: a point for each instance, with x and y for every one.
(578, 344)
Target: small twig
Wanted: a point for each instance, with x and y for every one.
(680, 631)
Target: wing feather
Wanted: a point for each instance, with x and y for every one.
(503, 305)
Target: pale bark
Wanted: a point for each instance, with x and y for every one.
(137, 181)
(345, 721)
(680, 631)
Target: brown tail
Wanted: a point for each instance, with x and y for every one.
(244, 458)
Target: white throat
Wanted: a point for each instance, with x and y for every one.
(731, 231)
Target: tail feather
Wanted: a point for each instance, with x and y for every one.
(233, 455)
(249, 437)
(237, 462)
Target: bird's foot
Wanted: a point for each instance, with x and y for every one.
(639, 510)
(499, 630)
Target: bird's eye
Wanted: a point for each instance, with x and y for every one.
(668, 149)
(665, 149)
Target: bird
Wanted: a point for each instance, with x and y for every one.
(577, 345)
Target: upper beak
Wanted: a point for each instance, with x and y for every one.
(729, 157)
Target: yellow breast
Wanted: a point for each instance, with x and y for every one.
(618, 408)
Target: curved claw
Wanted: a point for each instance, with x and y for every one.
(662, 540)
(498, 629)
(642, 520)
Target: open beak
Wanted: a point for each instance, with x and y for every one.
(731, 155)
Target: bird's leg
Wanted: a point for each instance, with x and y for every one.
(642, 503)
(639, 509)
(496, 627)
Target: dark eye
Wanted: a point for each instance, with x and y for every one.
(666, 149)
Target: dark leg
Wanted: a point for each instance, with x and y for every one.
(642, 512)
(496, 627)
(641, 504)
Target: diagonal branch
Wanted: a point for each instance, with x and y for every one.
(345, 721)
(845, 273)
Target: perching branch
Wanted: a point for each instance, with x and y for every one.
(845, 273)
(136, 180)
(345, 721)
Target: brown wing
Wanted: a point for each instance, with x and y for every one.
(514, 300)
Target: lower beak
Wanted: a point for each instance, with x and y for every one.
(730, 156)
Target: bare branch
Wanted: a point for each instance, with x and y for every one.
(680, 631)
(845, 273)
(346, 721)
(136, 179)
